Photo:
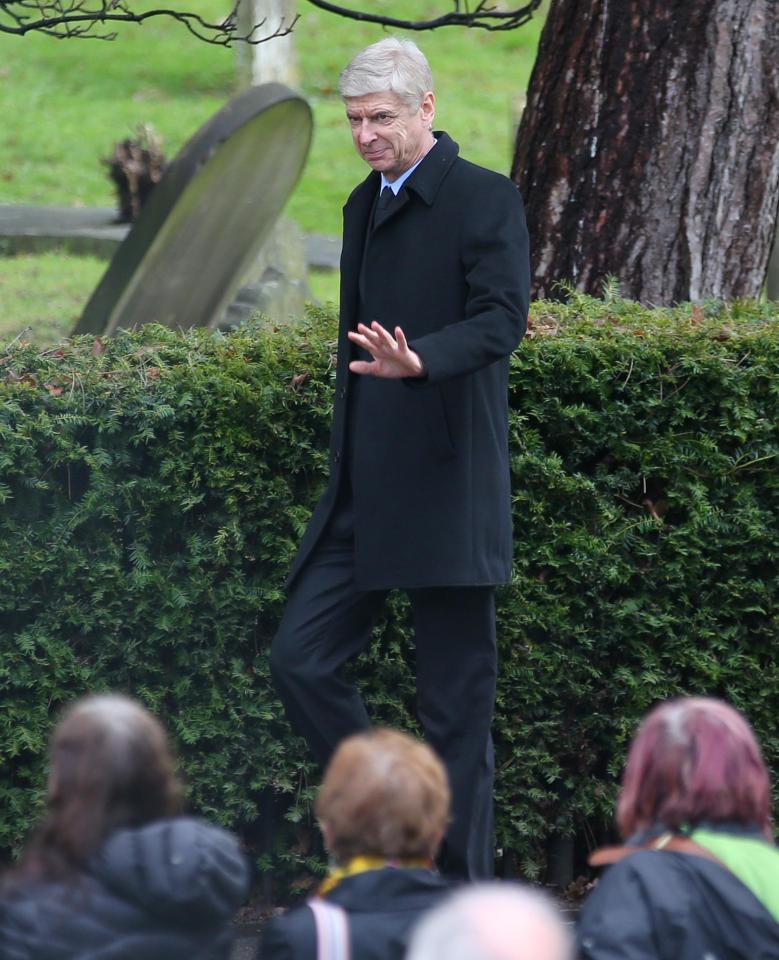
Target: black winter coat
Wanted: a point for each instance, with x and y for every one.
(658, 905)
(428, 459)
(382, 907)
(165, 891)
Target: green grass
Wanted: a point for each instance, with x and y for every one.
(41, 296)
(65, 103)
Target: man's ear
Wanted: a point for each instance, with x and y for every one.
(427, 109)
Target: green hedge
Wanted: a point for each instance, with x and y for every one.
(154, 488)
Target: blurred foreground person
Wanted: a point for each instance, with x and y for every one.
(383, 809)
(492, 921)
(698, 878)
(113, 872)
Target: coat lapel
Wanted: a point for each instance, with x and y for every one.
(426, 180)
(393, 210)
(357, 215)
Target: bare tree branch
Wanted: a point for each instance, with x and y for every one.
(85, 18)
(93, 18)
(485, 14)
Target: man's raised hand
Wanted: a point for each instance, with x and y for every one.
(392, 357)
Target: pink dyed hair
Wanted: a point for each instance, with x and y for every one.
(692, 760)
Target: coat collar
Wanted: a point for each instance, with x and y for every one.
(425, 180)
(430, 173)
(370, 891)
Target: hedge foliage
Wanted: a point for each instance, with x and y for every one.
(154, 487)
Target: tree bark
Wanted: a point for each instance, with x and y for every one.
(649, 147)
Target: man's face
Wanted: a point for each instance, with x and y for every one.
(387, 134)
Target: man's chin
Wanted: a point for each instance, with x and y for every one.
(379, 162)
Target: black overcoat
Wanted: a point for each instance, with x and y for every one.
(428, 459)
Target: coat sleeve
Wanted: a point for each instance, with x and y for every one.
(618, 921)
(494, 256)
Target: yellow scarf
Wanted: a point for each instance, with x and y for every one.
(362, 865)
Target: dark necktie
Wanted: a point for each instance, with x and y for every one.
(384, 205)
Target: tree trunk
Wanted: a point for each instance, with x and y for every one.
(649, 147)
(274, 61)
(772, 280)
(277, 283)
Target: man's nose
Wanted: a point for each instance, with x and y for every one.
(367, 133)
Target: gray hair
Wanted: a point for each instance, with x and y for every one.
(493, 921)
(123, 724)
(389, 66)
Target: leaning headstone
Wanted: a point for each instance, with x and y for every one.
(277, 282)
(204, 224)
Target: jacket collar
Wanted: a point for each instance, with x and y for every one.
(425, 180)
(429, 175)
(370, 891)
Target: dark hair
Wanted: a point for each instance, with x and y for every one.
(110, 766)
(694, 760)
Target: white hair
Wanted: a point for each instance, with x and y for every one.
(493, 921)
(389, 66)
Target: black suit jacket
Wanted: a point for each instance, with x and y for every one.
(382, 906)
(428, 459)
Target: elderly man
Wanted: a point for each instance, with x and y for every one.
(434, 297)
(491, 921)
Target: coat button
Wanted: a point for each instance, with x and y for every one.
(342, 392)
(337, 456)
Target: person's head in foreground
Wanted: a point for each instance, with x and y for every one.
(492, 921)
(110, 766)
(384, 795)
(383, 808)
(699, 874)
(694, 761)
(113, 871)
(388, 92)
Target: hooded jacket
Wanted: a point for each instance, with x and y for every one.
(163, 891)
(659, 905)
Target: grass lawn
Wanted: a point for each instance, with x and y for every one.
(64, 104)
(41, 296)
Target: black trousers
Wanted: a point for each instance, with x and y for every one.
(327, 622)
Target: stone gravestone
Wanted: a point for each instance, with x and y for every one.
(202, 227)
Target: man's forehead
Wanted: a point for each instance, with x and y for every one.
(373, 102)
